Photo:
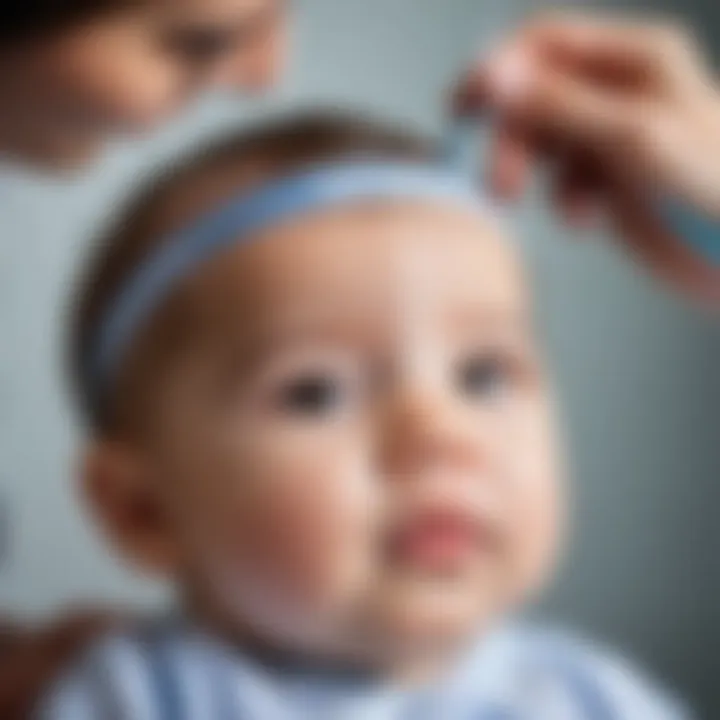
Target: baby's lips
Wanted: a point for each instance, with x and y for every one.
(439, 537)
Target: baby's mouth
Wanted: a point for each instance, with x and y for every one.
(440, 540)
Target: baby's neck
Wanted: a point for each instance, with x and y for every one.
(361, 667)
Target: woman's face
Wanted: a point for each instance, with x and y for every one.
(128, 70)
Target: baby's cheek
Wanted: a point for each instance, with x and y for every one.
(299, 528)
(537, 500)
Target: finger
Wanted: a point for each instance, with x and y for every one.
(510, 162)
(471, 94)
(661, 50)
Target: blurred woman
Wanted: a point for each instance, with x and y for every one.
(74, 73)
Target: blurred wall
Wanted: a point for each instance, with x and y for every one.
(637, 368)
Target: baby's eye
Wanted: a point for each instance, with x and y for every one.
(314, 395)
(483, 377)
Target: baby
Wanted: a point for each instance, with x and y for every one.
(315, 405)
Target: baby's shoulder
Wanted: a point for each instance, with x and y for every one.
(555, 665)
(116, 677)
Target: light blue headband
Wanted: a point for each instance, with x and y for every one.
(451, 180)
(240, 219)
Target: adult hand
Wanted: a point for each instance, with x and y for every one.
(625, 112)
(30, 660)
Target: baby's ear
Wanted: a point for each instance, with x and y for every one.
(119, 487)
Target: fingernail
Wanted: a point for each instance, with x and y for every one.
(509, 77)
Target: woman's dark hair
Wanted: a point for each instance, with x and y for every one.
(26, 20)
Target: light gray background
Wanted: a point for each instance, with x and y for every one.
(638, 369)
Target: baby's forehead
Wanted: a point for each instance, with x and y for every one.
(370, 260)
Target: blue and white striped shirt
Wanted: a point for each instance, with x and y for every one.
(518, 673)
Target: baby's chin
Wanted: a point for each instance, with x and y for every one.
(425, 612)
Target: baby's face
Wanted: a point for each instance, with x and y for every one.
(358, 453)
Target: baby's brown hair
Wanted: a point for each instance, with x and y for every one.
(178, 195)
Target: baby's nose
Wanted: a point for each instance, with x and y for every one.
(422, 432)
(260, 68)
